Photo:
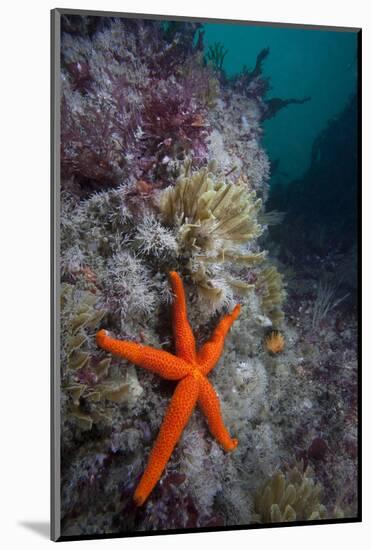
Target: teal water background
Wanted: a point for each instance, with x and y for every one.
(321, 64)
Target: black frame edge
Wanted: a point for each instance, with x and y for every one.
(166, 17)
(54, 274)
(359, 265)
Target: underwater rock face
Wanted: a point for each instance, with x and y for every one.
(316, 227)
(142, 113)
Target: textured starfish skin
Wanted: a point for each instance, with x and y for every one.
(190, 368)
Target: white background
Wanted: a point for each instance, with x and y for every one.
(24, 269)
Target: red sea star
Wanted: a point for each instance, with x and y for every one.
(190, 368)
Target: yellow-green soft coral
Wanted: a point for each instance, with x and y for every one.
(291, 497)
(270, 287)
(215, 219)
(86, 377)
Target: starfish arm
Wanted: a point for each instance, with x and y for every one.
(185, 344)
(210, 406)
(176, 418)
(160, 362)
(210, 352)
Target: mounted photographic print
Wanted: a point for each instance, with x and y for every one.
(205, 209)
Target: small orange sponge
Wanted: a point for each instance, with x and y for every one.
(275, 342)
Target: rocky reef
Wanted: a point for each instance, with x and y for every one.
(162, 168)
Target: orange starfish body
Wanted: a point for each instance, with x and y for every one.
(190, 368)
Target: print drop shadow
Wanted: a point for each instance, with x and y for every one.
(42, 528)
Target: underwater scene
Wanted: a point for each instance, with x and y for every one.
(208, 275)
